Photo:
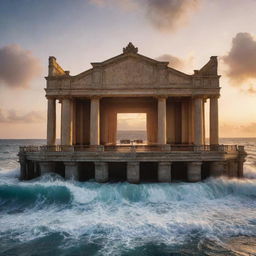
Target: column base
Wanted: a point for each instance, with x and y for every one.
(164, 171)
(194, 171)
(133, 172)
(101, 172)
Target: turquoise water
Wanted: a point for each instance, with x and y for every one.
(51, 216)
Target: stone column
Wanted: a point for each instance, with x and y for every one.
(184, 122)
(198, 121)
(133, 172)
(95, 121)
(164, 172)
(161, 135)
(217, 169)
(194, 171)
(46, 167)
(66, 122)
(101, 172)
(214, 121)
(51, 122)
(71, 170)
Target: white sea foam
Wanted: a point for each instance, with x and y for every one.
(131, 215)
(121, 216)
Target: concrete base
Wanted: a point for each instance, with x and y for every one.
(133, 172)
(101, 172)
(164, 171)
(217, 169)
(71, 170)
(46, 167)
(194, 171)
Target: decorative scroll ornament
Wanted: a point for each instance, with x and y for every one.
(130, 48)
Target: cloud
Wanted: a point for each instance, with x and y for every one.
(169, 15)
(131, 122)
(241, 60)
(236, 130)
(12, 116)
(124, 4)
(185, 65)
(164, 15)
(17, 66)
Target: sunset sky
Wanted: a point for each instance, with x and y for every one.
(78, 32)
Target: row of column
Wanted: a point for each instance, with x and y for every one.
(199, 121)
(133, 171)
(66, 121)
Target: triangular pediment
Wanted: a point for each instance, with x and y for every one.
(131, 69)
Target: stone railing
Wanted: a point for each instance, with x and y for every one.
(132, 148)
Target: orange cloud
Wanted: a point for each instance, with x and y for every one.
(235, 130)
(11, 116)
(17, 67)
(178, 63)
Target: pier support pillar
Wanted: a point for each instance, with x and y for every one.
(51, 122)
(71, 170)
(198, 119)
(164, 171)
(95, 121)
(101, 172)
(214, 121)
(46, 167)
(194, 171)
(217, 169)
(23, 167)
(133, 172)
(241, 168)
(161, 137)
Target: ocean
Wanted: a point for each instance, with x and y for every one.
(51, 216)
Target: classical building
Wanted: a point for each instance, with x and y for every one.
(174, 104)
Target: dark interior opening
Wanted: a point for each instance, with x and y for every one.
(86, 171)
(117, 171)
(30, 170)
(205, 173)
(148, 171)
(179, 171)
(60, 169)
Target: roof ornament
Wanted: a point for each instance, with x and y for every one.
(130, 48)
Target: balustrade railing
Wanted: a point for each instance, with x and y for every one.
(132, 148)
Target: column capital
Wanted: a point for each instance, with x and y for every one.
(198, 97)
(161, 97)
(95, 97)
(65, 97)
(214, 96)
(49, 97)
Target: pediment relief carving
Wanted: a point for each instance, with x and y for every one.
(128, 71)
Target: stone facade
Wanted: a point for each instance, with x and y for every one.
(174, 104)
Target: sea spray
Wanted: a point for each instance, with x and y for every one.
(51, 216)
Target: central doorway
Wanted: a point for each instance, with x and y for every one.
(131, 128)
